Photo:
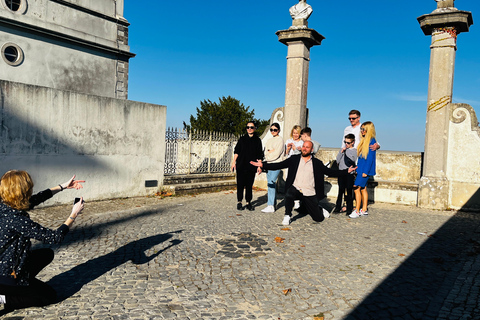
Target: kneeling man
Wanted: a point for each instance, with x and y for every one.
(305, 181)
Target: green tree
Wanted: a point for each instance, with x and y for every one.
(228, 116)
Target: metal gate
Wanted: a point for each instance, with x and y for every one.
(198, 152)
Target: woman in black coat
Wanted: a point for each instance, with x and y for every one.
(18, 263)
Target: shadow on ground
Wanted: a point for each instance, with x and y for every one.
(70, 282)
(438, 281)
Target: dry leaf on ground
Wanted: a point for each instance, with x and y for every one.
(287, 291)
(279, 240)
(286, 229)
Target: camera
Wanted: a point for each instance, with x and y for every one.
(76, 200)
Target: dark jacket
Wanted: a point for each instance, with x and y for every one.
(319, 170)
(16, 230)
(248, 149)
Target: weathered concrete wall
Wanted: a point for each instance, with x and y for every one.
(116, 145)
(463, 160)
(397, 176)
(68, 46)
(396, 181)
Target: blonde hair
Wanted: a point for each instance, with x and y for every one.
(364, 145)
(295, 127)
(16, 188)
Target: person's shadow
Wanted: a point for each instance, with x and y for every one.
(70, 282)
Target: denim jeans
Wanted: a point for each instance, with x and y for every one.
(272, 176)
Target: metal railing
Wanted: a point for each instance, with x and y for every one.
(198, 151)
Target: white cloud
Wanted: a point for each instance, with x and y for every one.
(412, 97)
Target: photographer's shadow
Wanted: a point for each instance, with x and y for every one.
(70, 282)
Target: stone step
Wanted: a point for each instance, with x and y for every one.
(199, 187)
(197, 178)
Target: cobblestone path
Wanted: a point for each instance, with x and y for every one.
(197, 257)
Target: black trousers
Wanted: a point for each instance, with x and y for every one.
(245, 179)
(309, 204)
(345, 183)
(38, 293)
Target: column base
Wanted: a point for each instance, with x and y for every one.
(433, 193)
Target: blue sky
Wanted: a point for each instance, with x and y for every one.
(375, 58)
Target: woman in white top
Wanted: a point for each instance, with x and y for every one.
(294, 144)
(274, 151)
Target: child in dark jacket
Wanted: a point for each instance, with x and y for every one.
(346, 158)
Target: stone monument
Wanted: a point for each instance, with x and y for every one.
(299, 39)
(444, 25)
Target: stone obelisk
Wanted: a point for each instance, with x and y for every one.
(444, 25)
(299, 39)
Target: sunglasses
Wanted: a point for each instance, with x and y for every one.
(346, 142)
(273, 130)
(353, 118)
(363, 129)
(250, 127)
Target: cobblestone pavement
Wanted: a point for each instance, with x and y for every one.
(197, 257)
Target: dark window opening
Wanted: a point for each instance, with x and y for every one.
(13, 5)
(11, 54)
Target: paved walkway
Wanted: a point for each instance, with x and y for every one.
(199, 258)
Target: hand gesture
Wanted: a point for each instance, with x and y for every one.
(73, 184)
(258, 163)
(77, 208)
(352, 169)
(375, 146)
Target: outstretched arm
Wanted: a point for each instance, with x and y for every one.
(70, 184)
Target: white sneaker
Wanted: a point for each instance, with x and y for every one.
(363, 213)
(326, 214)
(296, 204)
(269, 209)
(286, 220)
(354, 214)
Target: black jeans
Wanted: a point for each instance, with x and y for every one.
(345, 183)
(309, 204)
(245, 179)
(38, 293)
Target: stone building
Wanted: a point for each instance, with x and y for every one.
(63, 100)
(69, 45)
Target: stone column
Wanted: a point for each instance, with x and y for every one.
(444, 24)
(299, 39)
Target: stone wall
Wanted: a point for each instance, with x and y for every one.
(396, 181)
(398, 174)
(68, 46)
(115, 145)
(463, 162)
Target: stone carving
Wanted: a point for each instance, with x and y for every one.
(445, 5)
(458, 114)
(301, 10)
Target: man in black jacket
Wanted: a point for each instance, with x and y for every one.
(248, 148)
(305, 181)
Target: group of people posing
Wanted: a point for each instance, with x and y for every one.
(304, 184)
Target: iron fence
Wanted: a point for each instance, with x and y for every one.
(198, 151)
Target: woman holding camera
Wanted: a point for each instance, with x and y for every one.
(18, 263)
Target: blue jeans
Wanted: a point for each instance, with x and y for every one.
(272, 176)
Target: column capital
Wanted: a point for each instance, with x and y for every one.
(460, 20)
(309, 37)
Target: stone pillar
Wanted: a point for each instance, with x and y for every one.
(299, 39)
(444, 24)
